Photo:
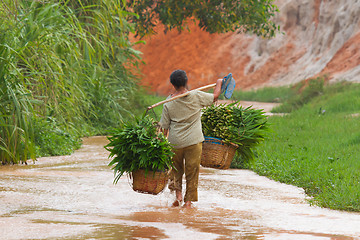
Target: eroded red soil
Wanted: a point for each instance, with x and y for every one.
(319, 38)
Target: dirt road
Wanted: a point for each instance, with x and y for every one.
(73, 197)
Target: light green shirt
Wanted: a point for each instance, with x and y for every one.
(182, 117)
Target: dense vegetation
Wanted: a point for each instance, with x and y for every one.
(64, 70)
(316, 145)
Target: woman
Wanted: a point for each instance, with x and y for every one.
(181, 119)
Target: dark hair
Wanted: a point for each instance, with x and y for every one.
(178, 78)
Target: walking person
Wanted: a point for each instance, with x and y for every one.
(181, 120)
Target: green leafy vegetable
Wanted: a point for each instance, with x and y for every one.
(246, 127)
(139, 145)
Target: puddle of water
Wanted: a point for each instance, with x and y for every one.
(73, 197)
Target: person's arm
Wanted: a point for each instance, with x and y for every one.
(217, 90)
(164, 123)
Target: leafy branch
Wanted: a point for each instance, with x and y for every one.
(215, 16)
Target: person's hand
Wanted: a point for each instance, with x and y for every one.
(217, 90)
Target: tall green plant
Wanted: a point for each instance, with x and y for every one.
(77, 61)
(110, 78)
(16, 136)
(85, 56)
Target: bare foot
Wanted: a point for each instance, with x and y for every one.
(176, 203)
(188, 205)
(178, 200)
(179, 195)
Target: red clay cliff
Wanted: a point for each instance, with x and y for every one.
(318, 38)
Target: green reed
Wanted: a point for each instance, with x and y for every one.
(66, 60)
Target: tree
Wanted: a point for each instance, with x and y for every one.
(214, 16)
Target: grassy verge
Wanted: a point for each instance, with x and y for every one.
(317, 147)
(267, 94)
(318, 153)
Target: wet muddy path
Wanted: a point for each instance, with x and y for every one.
(73, 197)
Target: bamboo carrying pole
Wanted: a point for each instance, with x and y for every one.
(182, 95)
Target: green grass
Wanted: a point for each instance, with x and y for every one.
(267, 94)
(339, 98)
(317, 147)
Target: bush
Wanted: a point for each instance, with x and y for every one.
(52, 140)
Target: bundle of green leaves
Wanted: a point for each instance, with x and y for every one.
(246, 127)
(138, 145)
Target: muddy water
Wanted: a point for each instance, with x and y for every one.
(73, 197)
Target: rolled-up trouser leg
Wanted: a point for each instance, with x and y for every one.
(192, 155)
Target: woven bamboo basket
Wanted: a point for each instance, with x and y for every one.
(150, 182)
(217, 154)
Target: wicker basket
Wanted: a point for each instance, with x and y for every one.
(217, 154)
(152, 183)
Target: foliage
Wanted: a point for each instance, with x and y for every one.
(246, 127)
(53, 140)
(318, 150)
(142, 99)
(66, 60)
(241, 162)
(246, 16)
(16, 139)
(139, 145)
